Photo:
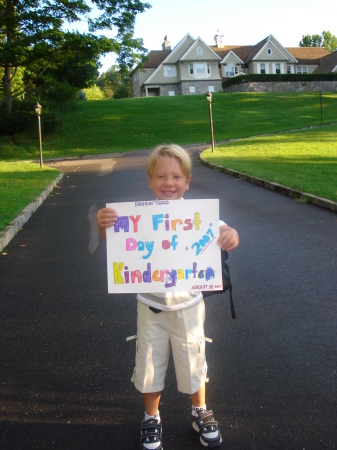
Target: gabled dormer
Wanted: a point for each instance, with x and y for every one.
(199, 51)
(231, 65)
(270, 49)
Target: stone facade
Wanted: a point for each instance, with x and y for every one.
(183, 88)
(285, 86)
(201, 87)
(165, 88)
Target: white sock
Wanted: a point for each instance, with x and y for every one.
(197, 408)
(156, 416)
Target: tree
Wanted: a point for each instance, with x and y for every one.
(326, 40)
(116, 83)
(329, 41)
(32, 33)
(311, 41)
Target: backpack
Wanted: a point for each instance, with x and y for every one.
(226, 282)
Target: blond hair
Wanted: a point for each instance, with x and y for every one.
(170, 151)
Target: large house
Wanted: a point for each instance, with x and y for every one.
(193, 67)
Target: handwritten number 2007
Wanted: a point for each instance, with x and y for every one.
(199, 245)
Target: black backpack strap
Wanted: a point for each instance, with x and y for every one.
(226, 283)
(230, 287)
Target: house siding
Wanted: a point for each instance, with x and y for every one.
(142, 76)
(175, 56)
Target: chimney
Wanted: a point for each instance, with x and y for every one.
(166, 44)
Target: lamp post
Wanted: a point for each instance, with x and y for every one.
(38, 108)
(209, 99)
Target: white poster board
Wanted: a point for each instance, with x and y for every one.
(164, 246)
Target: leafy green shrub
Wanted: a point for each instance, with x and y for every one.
(122, 92)
(94, 93)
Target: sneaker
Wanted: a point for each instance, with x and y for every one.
(207, 428)
(151, 435)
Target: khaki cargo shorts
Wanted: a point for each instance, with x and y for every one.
(183, 331)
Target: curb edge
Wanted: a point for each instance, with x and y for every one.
(319, 201)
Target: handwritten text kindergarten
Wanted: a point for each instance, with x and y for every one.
(164, 246)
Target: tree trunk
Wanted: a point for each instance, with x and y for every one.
(7, 80)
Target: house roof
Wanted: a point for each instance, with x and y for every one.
(242, 51)
(155, 58)
(308, 55)
(326, 60)
(328, 64)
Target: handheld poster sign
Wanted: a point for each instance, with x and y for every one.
(164, 246)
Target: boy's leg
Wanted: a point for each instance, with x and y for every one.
(199, 397)
(151, 402)
(151, 431)
(203, 421)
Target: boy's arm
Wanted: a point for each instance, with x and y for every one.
(106, 217)
(228, 239)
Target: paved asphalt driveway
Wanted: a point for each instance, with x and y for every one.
(65, 363)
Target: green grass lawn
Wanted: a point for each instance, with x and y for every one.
(303, 160)
(21, 182)
(110, 126)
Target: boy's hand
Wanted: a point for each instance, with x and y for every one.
(228, 239)
(106, 217)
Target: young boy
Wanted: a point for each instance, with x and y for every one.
(171, 320)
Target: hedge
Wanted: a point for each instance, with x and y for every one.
(240, 79)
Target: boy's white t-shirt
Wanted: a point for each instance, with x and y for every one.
(172, 301)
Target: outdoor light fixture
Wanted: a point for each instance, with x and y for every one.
(38, 108)
(209, 99)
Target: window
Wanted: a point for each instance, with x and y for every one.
(236, 69)
(200, 68)
(211, 88)
(230, 70)
(199, 50)
(288, 69)
(262, 68)
(269, 51)
(278, 68)
(192, 90)
(208, 68)
(302, 69)
(169, 71)
(171, 93)
(191, 69)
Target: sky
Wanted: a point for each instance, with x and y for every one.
(242, 22)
